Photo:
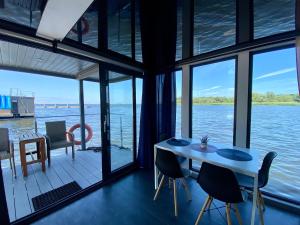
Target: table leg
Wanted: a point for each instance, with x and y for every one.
(254, 200)
(42, 154)
(23, 158)
(155, 170)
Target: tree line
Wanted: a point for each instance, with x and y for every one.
(257, 98)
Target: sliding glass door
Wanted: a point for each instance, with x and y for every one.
(122, 120)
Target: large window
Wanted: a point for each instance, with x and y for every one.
(275, 118)
(214, 25)
(119, 27)
(213, 101)
(178, 75)
(273, 16)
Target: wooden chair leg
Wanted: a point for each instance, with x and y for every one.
(202, 210)
(261, 214)
(238, 215)
(209, 203)
(73, 152)
(159, 187)
(262, 202)
(10, 164)
(14, 165)
(186, 188)
(228, 214)
(175, 198)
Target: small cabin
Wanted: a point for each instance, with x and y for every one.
(16, 106)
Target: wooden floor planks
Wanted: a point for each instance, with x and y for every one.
(85, 169)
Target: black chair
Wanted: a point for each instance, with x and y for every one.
(263, 178)
(168, 166)
(221, 184)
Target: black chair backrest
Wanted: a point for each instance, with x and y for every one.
(219, 183)
(263, 173)
(56, 130)
(167, 164)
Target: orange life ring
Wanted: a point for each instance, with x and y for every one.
(85, 27)
(87, 127)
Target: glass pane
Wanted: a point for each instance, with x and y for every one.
(119, 26)
(275, 116)
(214, 25)
(27, 13)
(273, 17)
(93, 116)
(89, 28)
(48, 99)
(121, 119)
(213, 101)
(139, 93)
(179, 31)
(138, 40)
(178, 75)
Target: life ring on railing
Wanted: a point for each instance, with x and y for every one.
(85, 27)
(87, 127)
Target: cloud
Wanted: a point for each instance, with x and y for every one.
(211, 88)
(276, 73)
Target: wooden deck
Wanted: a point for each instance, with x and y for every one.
(86, 170)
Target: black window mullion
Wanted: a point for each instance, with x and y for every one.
(105, 122)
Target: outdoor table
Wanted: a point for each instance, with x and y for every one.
(32, 137)
(249, 168)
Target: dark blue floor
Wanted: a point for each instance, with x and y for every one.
(129, 202)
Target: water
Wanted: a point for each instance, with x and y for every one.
(274, 128)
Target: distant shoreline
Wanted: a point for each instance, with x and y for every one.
(253, 103)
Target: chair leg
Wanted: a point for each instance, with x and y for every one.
(186, 188)
(238, 215)
(175, 198)
(209, 203)
(159, 187)
(261, 214)
(202, 210)
(14, 166)
(10, 164)
(262, 202)
(228, 214)
(66, 150)
(73, 152)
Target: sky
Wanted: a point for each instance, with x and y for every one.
(272, 71)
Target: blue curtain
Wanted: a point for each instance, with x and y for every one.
(158, 112)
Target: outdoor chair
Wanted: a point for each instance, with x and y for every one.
(7, 149)
(56, 137)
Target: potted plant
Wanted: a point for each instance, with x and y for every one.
(204, 141)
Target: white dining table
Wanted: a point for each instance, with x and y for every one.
(249, 168)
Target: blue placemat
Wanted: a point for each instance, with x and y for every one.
(234, 154)
(177, 142)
